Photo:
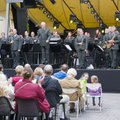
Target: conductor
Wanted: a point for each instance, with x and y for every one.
(43, 39)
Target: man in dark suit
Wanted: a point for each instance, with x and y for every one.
(16, 44)
(81, 45)
(43, 39)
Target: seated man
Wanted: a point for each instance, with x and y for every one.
(63, 73)
(71, 82)
(52, 85)
(25, 89)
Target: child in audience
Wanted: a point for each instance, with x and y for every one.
(94, 89)
(83, 82)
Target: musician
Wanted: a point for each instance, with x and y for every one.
(104, 46)
(43, 39)
(16, 45)
(81, 46)
(27, 38)
(98, 37)
(55, 36)
(114, 46)
(69, 40)
(33, 38)
(55, 42)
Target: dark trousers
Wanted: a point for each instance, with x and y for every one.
(113, 57)
(15, 56)
(45, 54)
(81, 57)
(93, 99)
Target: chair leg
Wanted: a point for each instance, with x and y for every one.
(55, 112)
(77, 108)
(64, 110)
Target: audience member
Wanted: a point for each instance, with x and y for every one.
(83, 82)
(30, 90)
(63, 73)
(51, 84)
(94, 89)
(38, 72)
(18, 76)
(27, 65)
(6, 88)
(71, 82)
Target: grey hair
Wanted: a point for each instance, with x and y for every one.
(48, 69)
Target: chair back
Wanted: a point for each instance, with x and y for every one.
(69, 90)
(52, 97)
(27, 107)
(94, 89)
(5, 107)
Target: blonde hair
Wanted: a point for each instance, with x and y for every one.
(94, 79)
(38, 71)
(19, 69)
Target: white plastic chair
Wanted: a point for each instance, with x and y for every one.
(94, 87)
(76, 102)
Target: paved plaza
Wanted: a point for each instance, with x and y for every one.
(110, 110)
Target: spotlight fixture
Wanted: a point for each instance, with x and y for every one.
(102, 26)
(89, 6)
(51, 19)
(53, 1)
(41, 7)
(45, 12)
(117, 15)
(48, 15)
(96, 17)
(56, 24)
(72, 18)
(84, 1)
(92, 12)
(79, 25)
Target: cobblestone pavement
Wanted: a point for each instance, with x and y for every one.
(110, 109)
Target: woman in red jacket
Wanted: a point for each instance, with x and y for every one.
(25, 89)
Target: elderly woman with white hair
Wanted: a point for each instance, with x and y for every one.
(6, 88)
(71, 82)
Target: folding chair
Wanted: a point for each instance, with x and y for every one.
(54, 102)
(94, 91)
(28, 108)
(76, 102)
(5, 108)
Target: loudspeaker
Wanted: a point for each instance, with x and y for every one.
(29, 3)
(22, 20)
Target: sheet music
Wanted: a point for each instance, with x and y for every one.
(68, 47)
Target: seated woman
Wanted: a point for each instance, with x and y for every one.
(6, 88)
(25, 89)
(94, 89)
(38, 72)
(18, 75)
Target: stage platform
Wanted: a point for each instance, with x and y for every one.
(109, 78)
